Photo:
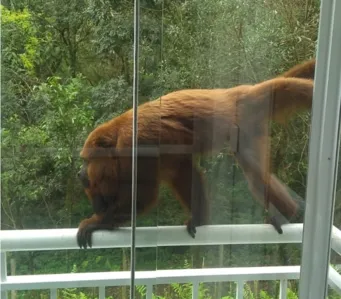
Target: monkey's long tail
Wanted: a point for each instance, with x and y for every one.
(278, 99)
(305, 70)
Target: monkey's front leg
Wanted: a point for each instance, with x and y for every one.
(108, 220)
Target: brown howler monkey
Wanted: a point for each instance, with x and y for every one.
(173, 128)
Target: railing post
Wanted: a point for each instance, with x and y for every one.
(53, 293)
(283, 288)
(101, 292)
(149, 294)
(3, 263)
(195, 290)
(240, 290)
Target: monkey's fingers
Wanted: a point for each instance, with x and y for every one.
(85, 229)
(84, 236)
(80, 239)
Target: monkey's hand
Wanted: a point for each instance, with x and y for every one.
(87, 227)
(84, 234)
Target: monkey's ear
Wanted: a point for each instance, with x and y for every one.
(104, 142)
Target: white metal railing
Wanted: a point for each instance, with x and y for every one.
(59, 239)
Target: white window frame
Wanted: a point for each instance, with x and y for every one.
(323, 155)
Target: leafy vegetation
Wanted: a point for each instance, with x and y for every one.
(67, 67)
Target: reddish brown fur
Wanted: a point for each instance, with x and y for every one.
(197, 121)
(305, 70)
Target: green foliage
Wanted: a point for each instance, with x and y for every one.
(179, 291)
(110, 99)
(38, 156)
(64, 109)
(19, 39)
(292, 295)
(184, 291)
(72, 294)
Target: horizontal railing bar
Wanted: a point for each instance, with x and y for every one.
(122, 278)
(336, 240)
(59, 239)
(334, 279)
(143, 150)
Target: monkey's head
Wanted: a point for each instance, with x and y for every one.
(100, 170)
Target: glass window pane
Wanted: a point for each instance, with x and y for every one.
(66, 69)
(222, 75)
(223, 139)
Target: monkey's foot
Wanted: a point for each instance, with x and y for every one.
(275, 221)
(278, 220)
(191, 229)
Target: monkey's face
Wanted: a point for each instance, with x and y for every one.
(99, 180)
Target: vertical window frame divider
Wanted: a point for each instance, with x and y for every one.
(323, 155)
